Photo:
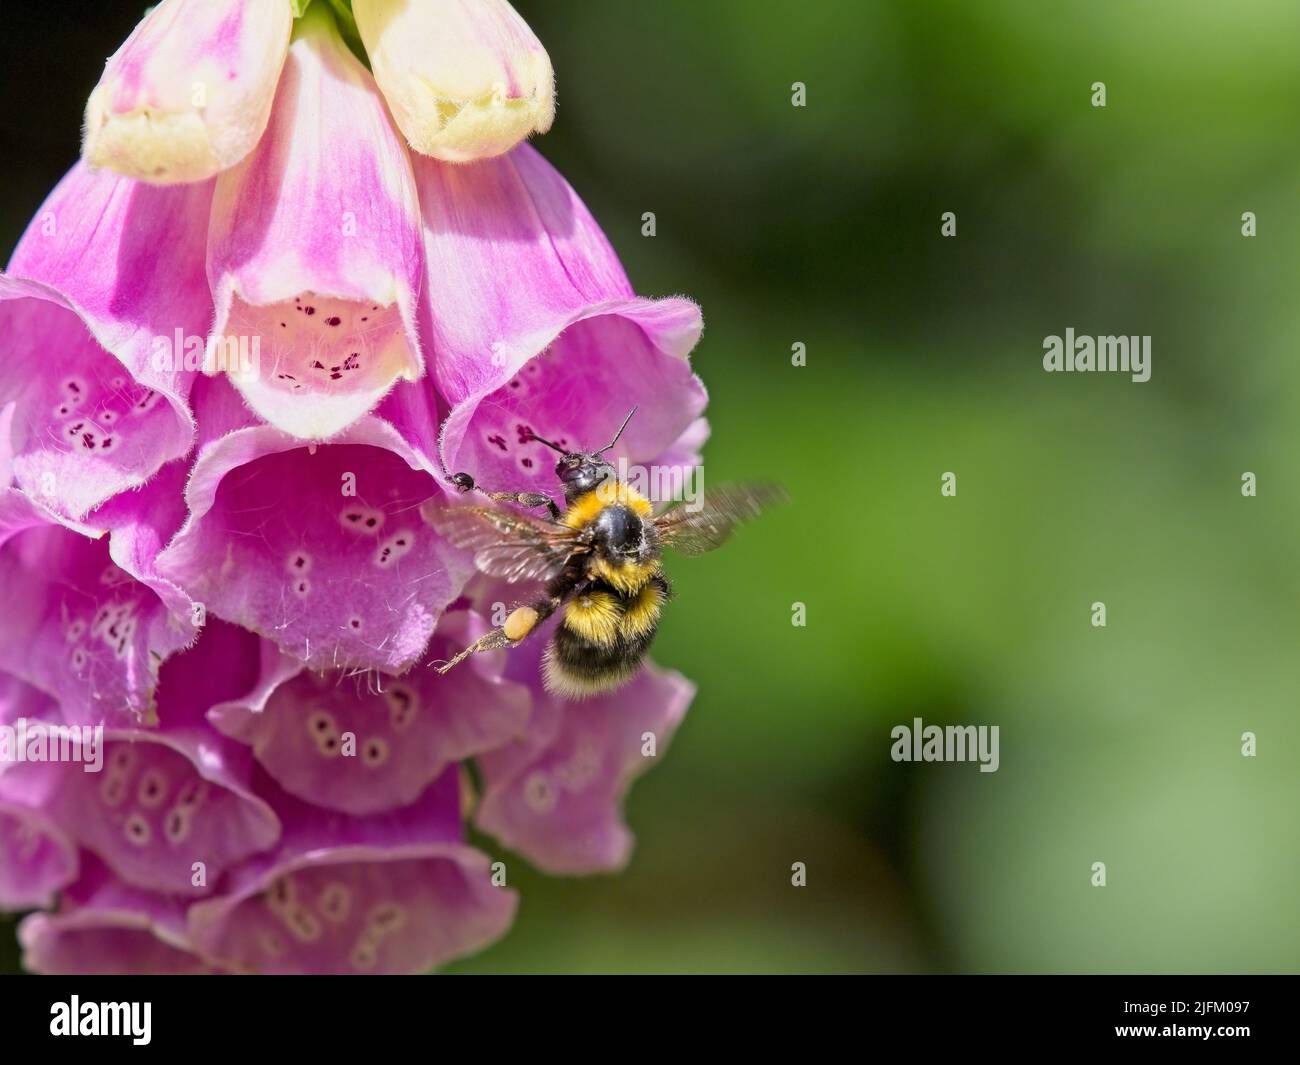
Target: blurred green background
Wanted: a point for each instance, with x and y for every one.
(821, 225)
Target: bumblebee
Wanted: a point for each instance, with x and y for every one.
(600, 558)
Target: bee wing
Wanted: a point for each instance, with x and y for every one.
(692, 532)
(514, 547)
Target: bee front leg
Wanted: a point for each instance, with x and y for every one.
(466, 483)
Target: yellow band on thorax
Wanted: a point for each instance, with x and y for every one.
(587, 507)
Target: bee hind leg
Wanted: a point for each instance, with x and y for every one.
(519, 624)
(489, 641)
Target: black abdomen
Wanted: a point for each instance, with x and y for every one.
(590, 653)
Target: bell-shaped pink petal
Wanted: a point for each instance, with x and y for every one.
(91, 619)
(189, 92)
(363, 744)
(106, 927)
(318, 548)
(167, 809)
(314, 250)
(532, 327)
(167, 812)
(20, 699)
(102, 295)
(226, 662)
(556, 797)
(389, 893)
(86, 628)
(412, 408)
(684, 454)
(36, 856)
(465, 79)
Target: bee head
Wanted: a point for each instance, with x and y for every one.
(581, 471)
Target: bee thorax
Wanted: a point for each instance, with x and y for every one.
(619, 533)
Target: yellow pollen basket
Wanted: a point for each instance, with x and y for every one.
(520, 623)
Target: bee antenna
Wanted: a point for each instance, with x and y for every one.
(553, 447)
(619, 433)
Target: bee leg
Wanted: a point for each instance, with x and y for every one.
(522, 621)
(527, 499)
(489, 641)
(466, 483)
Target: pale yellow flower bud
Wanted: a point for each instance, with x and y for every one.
(464, 79)
(189, 93)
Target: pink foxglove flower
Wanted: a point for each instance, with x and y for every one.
(107, 275)
(189, 93)
(555, 794)
(194, 858)
(513, 257)
(165, 796)
(228, 570)
(314, 247)
(39, 858)
(405, 731)
(96, 618)
(391, 893)
(318, 548)
(106, 927)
